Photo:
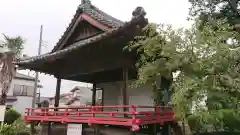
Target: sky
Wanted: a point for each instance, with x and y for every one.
(24, 18)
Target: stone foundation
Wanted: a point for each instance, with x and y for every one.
(61, 129)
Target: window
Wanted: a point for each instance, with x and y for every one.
(16, 89)
(77, 93)
(30, 90)
(22, 90)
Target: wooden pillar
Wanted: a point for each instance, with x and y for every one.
(32, 129)
(57, 95)
(124, 89)
(103, 95)
(97, 130)
(94, 90)
(49, 128)
(152, 129)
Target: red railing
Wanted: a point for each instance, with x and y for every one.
(111, 115)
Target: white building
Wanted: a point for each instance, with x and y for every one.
(20, 93)
(76, 97)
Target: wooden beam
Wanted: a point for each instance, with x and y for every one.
(93, 66)
(105, 76)
(78, 18)
(94, 22)
(94, 94)
(67, 34)
(57, 95)
(100, 77)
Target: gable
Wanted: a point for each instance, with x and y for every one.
(86, 12)
(83, 31)
(84, 26)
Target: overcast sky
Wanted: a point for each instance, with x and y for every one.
(24, 17)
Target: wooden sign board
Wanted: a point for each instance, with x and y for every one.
(74, 129)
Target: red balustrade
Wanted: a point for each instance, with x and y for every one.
(110, 115)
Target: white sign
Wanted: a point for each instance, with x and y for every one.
(2, 112)
(74, 129)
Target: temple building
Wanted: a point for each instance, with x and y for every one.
(92, 50)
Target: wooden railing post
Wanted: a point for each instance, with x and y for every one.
(26, 114)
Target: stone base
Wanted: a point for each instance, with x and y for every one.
(61, 129)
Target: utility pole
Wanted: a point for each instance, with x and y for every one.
(36, 80)
(36, 75)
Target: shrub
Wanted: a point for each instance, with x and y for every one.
(214, 121)
(231, 120)
(10, 116)
(6, 129)
(220, 133)
(20, 126)
(17, 128)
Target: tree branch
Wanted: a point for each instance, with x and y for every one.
(233, 5)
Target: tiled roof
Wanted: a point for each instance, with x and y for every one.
(70, 101)
(94, 12)
(11, 98)
(26, 77)
(100, 15)
(138, 15)
(62, 96)
(80, 88)
(23, 76)
(39, 101)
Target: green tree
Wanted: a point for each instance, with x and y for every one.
(10, 49)
(211, 10)
(207, 65)
(220, 9)
(15, 44)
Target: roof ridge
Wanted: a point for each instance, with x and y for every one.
(94, 11)
(85, 1)
(100, 11)
(85, 4)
